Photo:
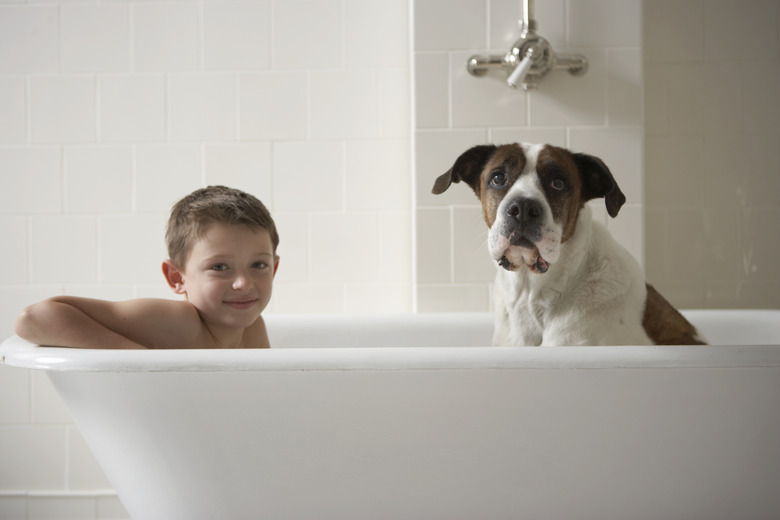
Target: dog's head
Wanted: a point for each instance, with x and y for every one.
(531, 197)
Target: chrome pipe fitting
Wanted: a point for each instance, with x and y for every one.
(530, 58)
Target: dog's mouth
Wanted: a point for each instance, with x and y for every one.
(515, 252)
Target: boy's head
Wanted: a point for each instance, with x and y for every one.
(216, 204)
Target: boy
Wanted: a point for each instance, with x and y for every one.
(222, 247)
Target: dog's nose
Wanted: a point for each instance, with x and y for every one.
(525, 210)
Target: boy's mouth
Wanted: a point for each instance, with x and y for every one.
(241, 304)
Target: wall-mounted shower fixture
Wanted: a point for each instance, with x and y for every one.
(530, 58)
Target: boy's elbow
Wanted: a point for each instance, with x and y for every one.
(28, 322)
(23, 326)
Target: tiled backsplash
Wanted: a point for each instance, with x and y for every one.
(598, 113)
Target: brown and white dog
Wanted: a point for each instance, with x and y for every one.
(563, 279)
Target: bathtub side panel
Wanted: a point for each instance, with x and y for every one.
(454, 444)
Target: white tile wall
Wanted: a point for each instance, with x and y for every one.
(111, 112)
(599, 113)
(712, 161)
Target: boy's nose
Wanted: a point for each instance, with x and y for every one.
(241, 281)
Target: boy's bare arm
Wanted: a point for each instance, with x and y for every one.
(67, 321)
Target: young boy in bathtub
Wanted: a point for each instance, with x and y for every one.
(222, 247)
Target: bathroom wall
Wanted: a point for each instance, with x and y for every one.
(111, 111)
(712, 160)
(599, 113)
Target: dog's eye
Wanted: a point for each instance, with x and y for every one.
(558, 184)
(498, 180)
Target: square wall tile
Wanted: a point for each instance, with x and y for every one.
(453, 298)
(434, 257)
(15, 382)
(376, 31)
(164, 174)
(13, 507)
(34, 457)
(308, 297)
(30, 180)
(29, 39)
(98, 179)
(144, 236)
(344, 104)
(394, 117)
(395, 247)
(344, 247)
(307, 35)
(13, 117)
(132, 108)
(61, 508)
(378, 175)
(63, 249)
(245, 166)
(588, 25)
(370, 298)
(471, 261)
(95, 37)
(432, 101)
(465, 26)
(203, 107)
(165, 36)
(237, 35)
(566, 100)
(486, 100)
(293, 229)
(62, 109)
(553, 136)
(273, 105)
(322, 191)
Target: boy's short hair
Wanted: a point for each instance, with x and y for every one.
(192, 214)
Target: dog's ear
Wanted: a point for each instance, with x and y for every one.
(597, 181)
(467, 168)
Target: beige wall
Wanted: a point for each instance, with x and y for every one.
(712, 154)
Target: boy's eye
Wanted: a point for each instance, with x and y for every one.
(259, 265)
(219, 267)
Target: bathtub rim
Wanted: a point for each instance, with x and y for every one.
(17, 352)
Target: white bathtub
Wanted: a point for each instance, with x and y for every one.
(436, 431)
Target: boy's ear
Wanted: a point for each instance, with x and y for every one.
(173, 276)
(276, 264)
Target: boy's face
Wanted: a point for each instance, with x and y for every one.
(229, 274)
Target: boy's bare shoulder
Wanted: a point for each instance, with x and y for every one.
(256, 335)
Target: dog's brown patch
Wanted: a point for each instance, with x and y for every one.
(554, 164)
(664, 324)
(509, 160)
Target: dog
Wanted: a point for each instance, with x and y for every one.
(562, 279)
